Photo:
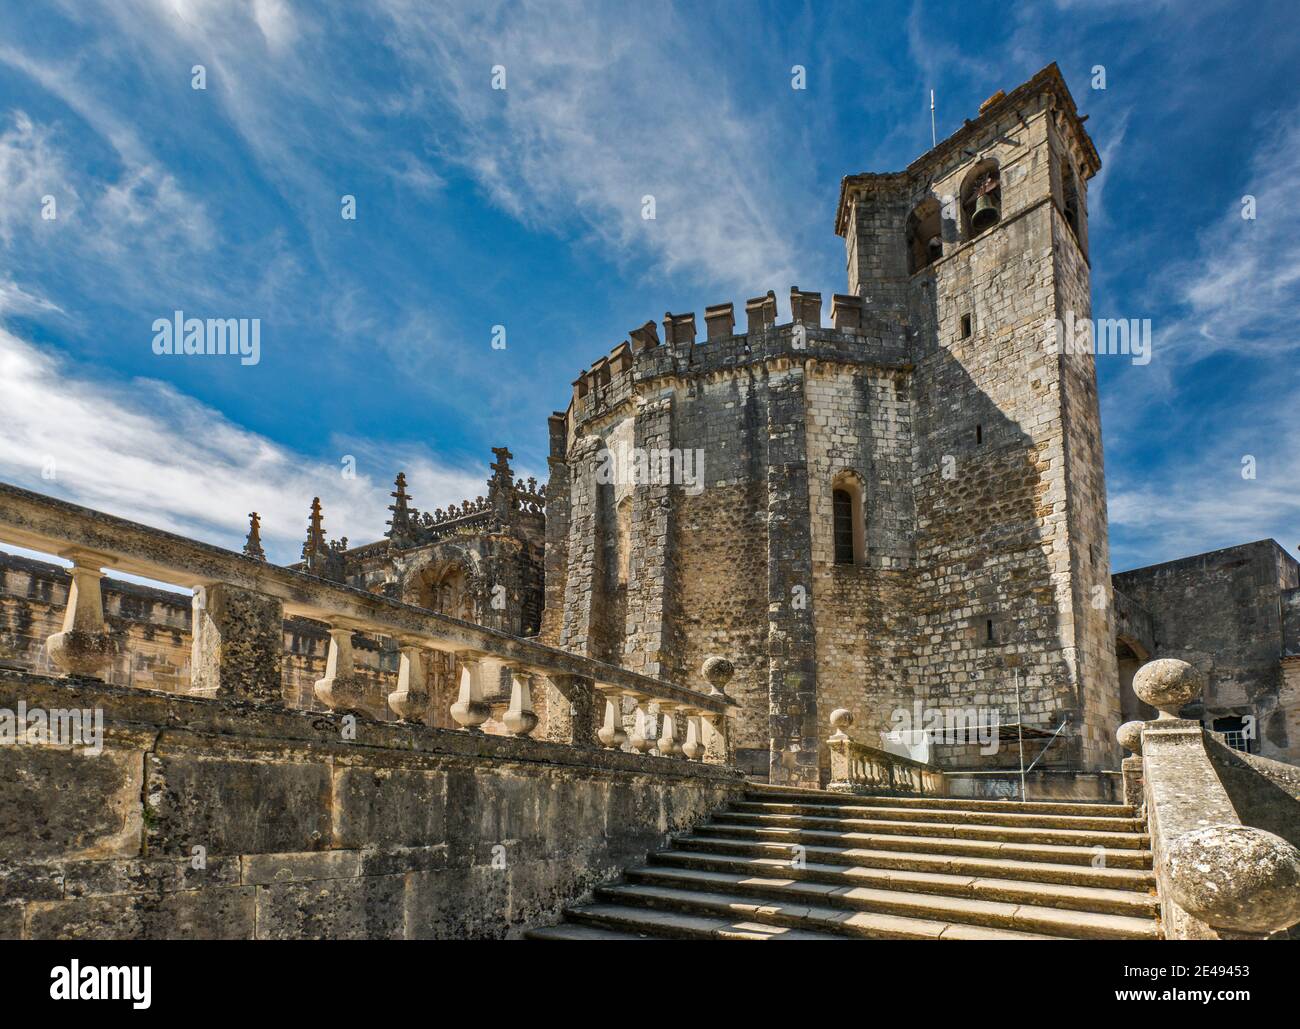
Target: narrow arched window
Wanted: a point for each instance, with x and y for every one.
(843, 527)
(924, 235)
(848, 526)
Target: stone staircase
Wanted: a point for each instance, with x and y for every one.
(885, 868)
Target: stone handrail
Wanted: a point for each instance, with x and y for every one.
(1220, 873)
(240, 604)
(859, 768)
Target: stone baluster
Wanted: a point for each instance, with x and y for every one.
(471, 710)
(83, 647)
(520, 718)
(643, 727)
(612, 734)
(411, 698)
(342, 690)
(668, 745)
(693, 748)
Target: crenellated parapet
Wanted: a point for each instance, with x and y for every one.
(671, 349)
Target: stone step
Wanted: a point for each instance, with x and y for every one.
(577, 931)
(1043, 807)
(1012, 891)
(797, 914)
(954, 816)
(962, 831)
(649, 923)
(1137, 879)
(789, 897)
(1111, 857)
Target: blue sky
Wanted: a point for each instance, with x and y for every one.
(522, 207)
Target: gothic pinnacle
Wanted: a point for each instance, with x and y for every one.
(253, 542)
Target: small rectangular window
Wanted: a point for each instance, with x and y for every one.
(965, 326)
(979, 434)
(989, 635)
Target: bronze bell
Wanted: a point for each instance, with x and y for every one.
(985, 213)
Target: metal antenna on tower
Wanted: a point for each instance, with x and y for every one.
(934, 140)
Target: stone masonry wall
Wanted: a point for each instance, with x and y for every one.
(214, 819)
(860, 424)
(1000, 583)
(991, 491)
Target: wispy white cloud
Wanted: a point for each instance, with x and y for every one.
(1233, 299)
(55, 210)
(144, 451)
(31, 168)
(590, 122)
(1200, 501)
(14, 299)
(1240, 288)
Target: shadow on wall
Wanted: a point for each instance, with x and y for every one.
(1259, 801)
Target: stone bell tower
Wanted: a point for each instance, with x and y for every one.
(975, 251)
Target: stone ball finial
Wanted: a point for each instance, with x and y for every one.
(1130, 736)
(841, 719)
(718, 671)
(1167, 684)
(1236, 878)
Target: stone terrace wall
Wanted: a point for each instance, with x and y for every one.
(405, 832)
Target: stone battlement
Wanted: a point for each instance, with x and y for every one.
(855, 336)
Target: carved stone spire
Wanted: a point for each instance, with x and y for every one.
(315, 545)
(399, 526)
(501, 487)
(253, 544)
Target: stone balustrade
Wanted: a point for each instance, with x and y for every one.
(240, 605)
(860, 768)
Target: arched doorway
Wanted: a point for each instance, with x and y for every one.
(1130, 655)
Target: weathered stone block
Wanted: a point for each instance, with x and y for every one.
(384, 807)
(259, 804)
(367, 908)
(225, 913)
(68, 802)
(458, 904)
(266, 869)
(152, 875)
(11, 920)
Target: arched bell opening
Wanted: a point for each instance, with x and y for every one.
(981, 198)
